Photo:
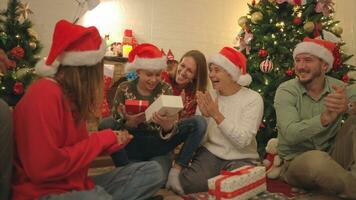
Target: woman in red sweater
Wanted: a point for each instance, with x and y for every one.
(52, 144)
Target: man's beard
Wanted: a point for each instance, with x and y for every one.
(313, 75)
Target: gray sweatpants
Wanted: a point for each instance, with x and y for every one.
(206, 165)
(6, 150)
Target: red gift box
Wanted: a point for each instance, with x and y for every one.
(135, 106)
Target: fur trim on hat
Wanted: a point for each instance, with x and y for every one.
(146, 64)
(316, 50)
(42, 69)
(72, 58)
(226, 64)
(81, 58)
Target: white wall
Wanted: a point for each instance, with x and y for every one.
(181, 25)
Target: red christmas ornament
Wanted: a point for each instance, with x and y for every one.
(12, 65)
(262, 125)
(17, 52)
(290, 72)
(18, 88)
(297, 20)
(345, 78)
(262, 53)
(298, 2)
(266, 66)
(337, 59)
(317, 29)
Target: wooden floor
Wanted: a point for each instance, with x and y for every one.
(169, 195)
(104, 164)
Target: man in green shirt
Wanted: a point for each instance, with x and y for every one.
(318, 152)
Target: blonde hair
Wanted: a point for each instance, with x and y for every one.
(83, 87)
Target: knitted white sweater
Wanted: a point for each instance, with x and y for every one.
(234, 137)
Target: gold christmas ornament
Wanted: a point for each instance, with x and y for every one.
(33, 33)
(33, 45)
(337, 30)
(309, 27)
(24, 10)
(242, 21)
(280, 24)
(22, 72)
(256, 17)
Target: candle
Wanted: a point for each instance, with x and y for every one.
(126, 48)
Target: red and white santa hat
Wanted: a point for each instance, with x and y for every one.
(72, 45)
(170, 55)
(320, 48)
(234, 62)
(146, 56)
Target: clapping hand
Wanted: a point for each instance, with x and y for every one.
(207, 105)
(335, 104)
(336, 101)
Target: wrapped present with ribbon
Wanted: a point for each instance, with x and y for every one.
(242, 183)
(133, 106)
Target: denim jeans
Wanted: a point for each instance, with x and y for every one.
(6, 150)
(147, 144)
(134, 181)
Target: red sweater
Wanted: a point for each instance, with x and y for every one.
(52, 152)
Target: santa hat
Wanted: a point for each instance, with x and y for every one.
(146, 56)
(320, 48)
(72, 45)
(170, 55)
(164, 53)
(234, 62)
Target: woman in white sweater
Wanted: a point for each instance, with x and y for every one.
(234, 114)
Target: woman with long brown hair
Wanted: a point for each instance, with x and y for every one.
(53, 147)
(190, 76)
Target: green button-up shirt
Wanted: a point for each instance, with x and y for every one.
(298, 118)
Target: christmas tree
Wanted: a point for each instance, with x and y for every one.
(21, 45)
(270, 31)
